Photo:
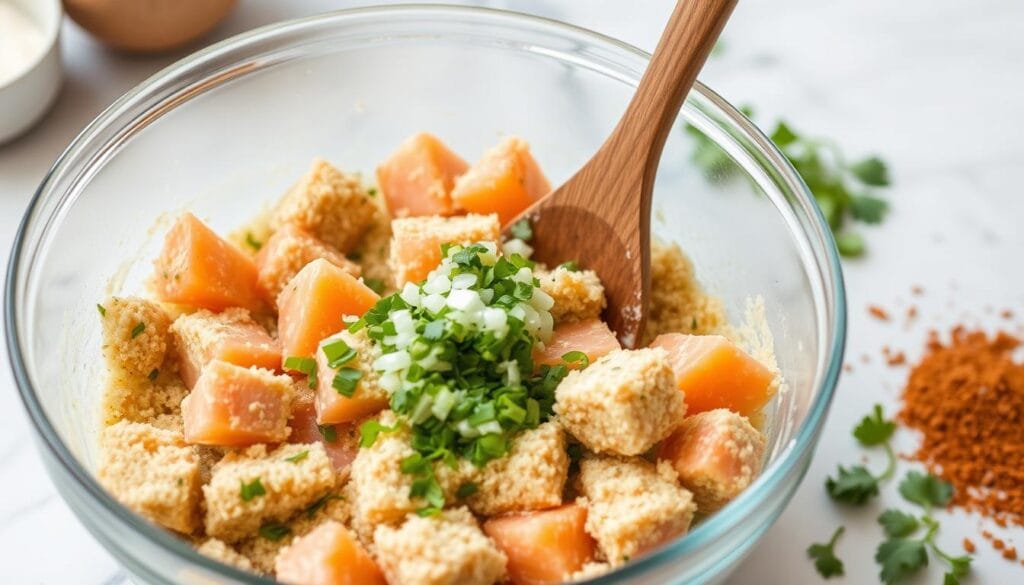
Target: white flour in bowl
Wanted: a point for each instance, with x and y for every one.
(21, 42)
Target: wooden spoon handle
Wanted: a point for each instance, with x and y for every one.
(684, 46)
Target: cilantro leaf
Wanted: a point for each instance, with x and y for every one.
(874, 429)
(925, 490)
(783, 135)
(871, 171)
(868, 209)
(850, 244)
(853, 486)
(900, 558)
(950, 579)
(898, 524)
(959, 567)
(825, 560)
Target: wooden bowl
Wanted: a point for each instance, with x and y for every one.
(147, 26)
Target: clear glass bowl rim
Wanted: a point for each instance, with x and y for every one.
(735, 122)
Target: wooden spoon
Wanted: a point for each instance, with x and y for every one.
(601, 216)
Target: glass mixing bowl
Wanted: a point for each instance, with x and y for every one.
(229, 128)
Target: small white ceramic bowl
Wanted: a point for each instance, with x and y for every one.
(25, 98)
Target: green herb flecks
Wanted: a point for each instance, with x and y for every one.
(102, 310)
(375, 284)
(522, 230)
(298, 457)
(250, 490)
(274, 531)
(825, 560)
(570, 265)
(576, 358)
(303, 365)
(153, 374)
(138, 329)
(346, 380)
(328, 432)
(253, 242)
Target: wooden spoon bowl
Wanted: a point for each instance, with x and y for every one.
(601, 216)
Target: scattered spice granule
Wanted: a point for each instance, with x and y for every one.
(865, 358)
(1006, 314)
(969, 546)
(1000, 522)
(894, 358)
(911, 311)
(986, 535)
(998, 544)
(878, 312)
(1010, 554)
(966, 397)
(847, 367)
(917, 290)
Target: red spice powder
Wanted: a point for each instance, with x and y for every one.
(1010, 554)
(969, 546)
(966, 397)
(878, 312)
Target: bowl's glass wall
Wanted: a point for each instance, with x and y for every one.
(228, 133)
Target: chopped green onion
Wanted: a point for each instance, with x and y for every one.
(338, 353)
(274, 531)
(320, 502)
(138, 329)
(252, 489)
(253, 242)
(305, 365)
(346, 380)
(369, 430)
(465, 490)
(375, 284)
(577, 358)
(571, 266)
(298, 456)
(101, 309)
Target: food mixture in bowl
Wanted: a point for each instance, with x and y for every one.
(368, 385)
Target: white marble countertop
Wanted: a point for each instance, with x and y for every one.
(935, 87)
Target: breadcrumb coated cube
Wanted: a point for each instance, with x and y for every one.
(633, 506)
(287, 252)
(231, 336)
(623, 403)
(447, 549)
(219, 551)
(531, 476)
(678, 302)
(288, 486)
(134, 336)
(379, 488)
(329, 204)
(717, 454)
(578, 294)
(142, 400)
(153, 472)
(590, 570)
(416, 241)
(262, 551)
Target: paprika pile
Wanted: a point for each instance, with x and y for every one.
(966, 397)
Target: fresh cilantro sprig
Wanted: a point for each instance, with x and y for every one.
(824, 556)
(845, 191)
(856, 485)
(901, 555)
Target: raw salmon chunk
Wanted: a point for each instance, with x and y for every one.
(347, 391)
(416, 241)
(233, 406)
(230, 336)
(287, 252)
(417, 179)
(329, 555)
(591, 336)
(200, 269)
(312, 305)
(341, 442)
(505, 181)
(716, 454)
(543, 547)
(714, 373)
